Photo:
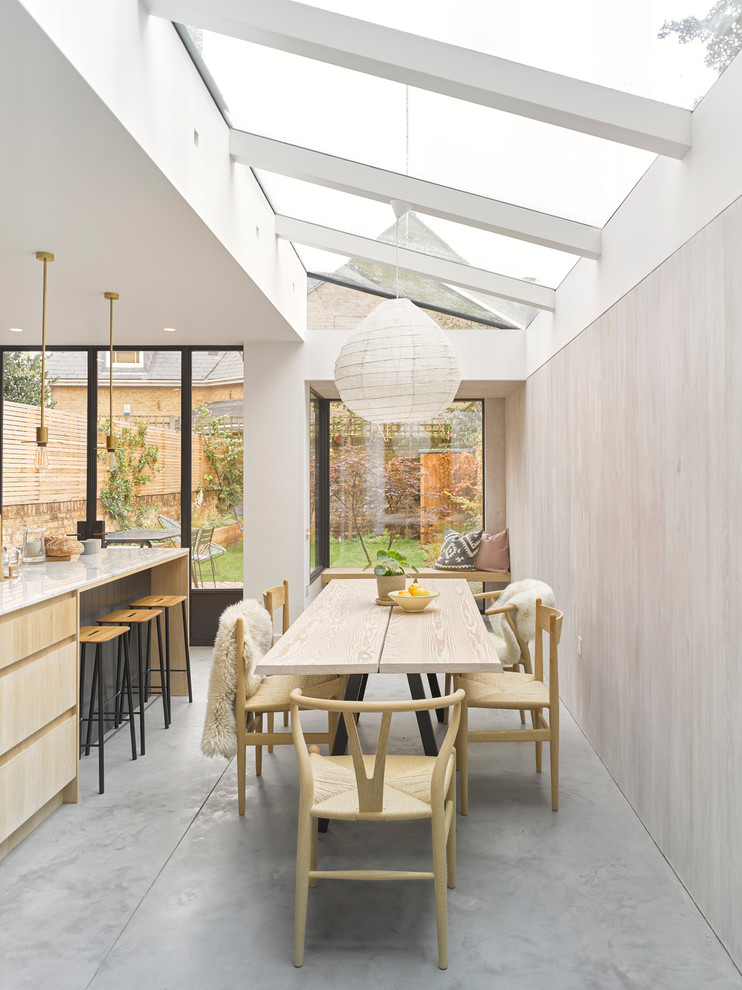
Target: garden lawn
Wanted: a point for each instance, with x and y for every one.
(349, 553)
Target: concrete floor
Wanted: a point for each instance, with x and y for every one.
(158, 883)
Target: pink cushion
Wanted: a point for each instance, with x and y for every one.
(494, 552)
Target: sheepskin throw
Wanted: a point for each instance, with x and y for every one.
(523, 594)
(220, 731)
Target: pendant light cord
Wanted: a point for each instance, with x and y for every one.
(43, 345)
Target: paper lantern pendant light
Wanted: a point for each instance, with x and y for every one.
(398, 366)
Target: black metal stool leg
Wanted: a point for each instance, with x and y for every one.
(93, 685)
(163, 679)
(142, 681)
(82, 683)
(99, 669)
(187, 650)
(126, 676)
(167, 662)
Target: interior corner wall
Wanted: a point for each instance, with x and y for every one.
(625, 494)
(276, 485)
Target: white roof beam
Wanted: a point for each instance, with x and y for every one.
(438, 269)
(423, 197)
(442, 68)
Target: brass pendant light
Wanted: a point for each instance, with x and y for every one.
(41, 461)
(111, 456)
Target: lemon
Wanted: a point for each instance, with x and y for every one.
(419, 592)
(404, 594)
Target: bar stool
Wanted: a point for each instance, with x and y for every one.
(95, 635)
(141, 618)
(166, 602)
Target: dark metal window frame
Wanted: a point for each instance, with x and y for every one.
(91, 467)
(323, 470)
(322, 490)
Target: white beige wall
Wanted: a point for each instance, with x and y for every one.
(625, 493)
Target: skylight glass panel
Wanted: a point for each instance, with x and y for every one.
(479, 307)
(420, 232)
(359, 117)
(612, 44)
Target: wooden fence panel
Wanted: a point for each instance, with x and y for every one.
(66, 478)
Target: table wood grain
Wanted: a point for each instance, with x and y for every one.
(344, 631)
(449, 635)
(341, 632)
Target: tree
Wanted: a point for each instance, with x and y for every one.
(22, 379)
(136, 465)
(353, 487)
(401, 494)
(224, 449)
(720, 29)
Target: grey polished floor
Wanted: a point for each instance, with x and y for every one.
(159, 884)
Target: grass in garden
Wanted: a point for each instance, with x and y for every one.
(228, 568)
(349, 553)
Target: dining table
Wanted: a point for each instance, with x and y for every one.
(344, 631)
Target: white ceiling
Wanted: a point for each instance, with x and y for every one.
(75, 183)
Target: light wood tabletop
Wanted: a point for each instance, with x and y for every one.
(341, 632)
(449, 635)
(344, 631)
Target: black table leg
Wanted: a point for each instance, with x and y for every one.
(435, 692)
(424, 723)
(355, 691)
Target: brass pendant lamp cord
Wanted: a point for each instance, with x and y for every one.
(110, 380)
(43, 344)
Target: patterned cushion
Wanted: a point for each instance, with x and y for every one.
(459, 551)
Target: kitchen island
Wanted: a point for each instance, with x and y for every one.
(41, 612)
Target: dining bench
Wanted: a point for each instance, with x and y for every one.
(427, 573)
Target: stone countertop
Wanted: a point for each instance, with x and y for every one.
(39, 582)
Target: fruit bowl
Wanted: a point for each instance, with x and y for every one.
(413, 603)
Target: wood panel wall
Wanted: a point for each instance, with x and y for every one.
(624, 481)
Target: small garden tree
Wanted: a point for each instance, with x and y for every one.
(136, 466)
(22, 379)
(224, 448)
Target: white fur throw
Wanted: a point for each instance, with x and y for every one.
(523, 594)
(220, 731)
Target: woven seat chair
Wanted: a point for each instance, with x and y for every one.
(516, 691)
(379, 787)
(272, 696)
(524, 660)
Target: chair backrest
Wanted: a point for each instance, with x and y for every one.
(275, 598)
(549, 623)
(371, 789)
(167, 523)
(207, 534)
(195, 537)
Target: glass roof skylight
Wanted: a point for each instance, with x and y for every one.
(454, 157)
(414, 132)
(611, 44)
(455, 241)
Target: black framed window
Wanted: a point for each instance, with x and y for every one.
(399, 487)
(318, 485)
(154, 394)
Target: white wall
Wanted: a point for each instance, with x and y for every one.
(276, 487)
(140, 69)
(666, 208)
(625, 494)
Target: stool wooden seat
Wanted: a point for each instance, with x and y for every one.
(167, 602)
(97, 636)
(140, 618)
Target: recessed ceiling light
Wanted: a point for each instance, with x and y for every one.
(16, 329)
(169, 329)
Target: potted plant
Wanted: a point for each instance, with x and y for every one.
(390, 572)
